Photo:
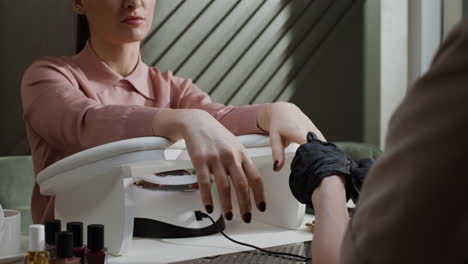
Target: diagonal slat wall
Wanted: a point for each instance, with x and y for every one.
(241, 51)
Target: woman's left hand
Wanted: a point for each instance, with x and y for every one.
(285, 123)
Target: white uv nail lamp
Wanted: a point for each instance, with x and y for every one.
(146, 187)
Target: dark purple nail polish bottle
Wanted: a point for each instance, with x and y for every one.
(78, 248)
(95, 253)
(51, 228)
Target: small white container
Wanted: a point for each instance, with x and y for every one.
(10, 233)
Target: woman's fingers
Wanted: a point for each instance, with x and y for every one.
(224, 189)
(255, 181)
(241, 185)
(204, 184)
(277, 149)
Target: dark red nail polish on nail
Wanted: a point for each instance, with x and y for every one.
(229, 216)
(262, 206)
(209, 209)
(247, 217)
(275, 166)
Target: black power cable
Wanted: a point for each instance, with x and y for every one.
(200, 215)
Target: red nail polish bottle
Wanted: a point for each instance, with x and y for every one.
(65, 249)
(78, 248)
(95, 253)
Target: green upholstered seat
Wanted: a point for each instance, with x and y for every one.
(16, 184)
(358, 151)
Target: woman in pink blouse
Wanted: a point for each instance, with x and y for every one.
(106, 93)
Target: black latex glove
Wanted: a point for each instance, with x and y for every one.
(359, 171)
(314, 161)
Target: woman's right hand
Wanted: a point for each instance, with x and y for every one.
(214, 150)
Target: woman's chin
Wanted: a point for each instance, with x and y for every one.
(134, 36)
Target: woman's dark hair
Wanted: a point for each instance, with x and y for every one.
(82, 32)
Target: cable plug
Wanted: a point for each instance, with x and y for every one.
(199, 215)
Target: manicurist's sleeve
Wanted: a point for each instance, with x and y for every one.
(56, 109)
(413, 206)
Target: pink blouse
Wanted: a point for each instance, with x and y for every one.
(74, 103)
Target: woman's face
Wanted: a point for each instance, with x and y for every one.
(117, 21)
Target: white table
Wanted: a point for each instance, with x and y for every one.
(145, 251)
(171, 250)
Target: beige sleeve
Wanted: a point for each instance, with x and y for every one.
(414, 204)
(240, 120)
(68, 120)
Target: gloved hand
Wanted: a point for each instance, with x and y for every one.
(314, 161)
(359, 171)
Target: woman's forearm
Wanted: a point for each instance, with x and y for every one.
(331, 219)
(173, 124)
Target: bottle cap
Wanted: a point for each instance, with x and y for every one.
(52, 227)
(77, 229)
(36, 238)
(64, 244)
(95, 237)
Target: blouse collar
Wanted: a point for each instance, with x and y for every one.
(97, 71)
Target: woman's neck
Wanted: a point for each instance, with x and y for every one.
(122, 58)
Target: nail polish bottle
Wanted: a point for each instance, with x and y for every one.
(95, 253)
(36, 251)
(65, 249)
(78, 248)
(51, 227)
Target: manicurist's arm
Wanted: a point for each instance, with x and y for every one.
(331, 220)
(413, 206)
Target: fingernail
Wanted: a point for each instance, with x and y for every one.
(262, 206)
(209, 209)
(247, 217)
(275, 166)
(228, 216)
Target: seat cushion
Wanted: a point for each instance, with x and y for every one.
(358, 151)
(16, 184)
